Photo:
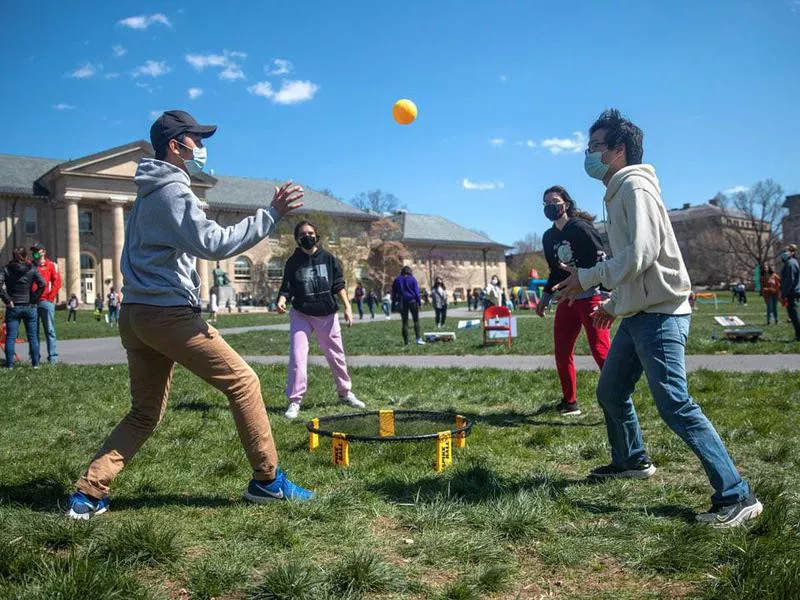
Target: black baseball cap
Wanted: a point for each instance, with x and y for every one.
(174, 123)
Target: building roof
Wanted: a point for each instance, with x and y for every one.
(244, 192)
(433, 228)
(18, 174)
(703, 211)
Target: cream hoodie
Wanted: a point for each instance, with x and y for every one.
(646, 272)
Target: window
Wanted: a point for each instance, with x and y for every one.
(85, 221)
(242, 269)
(30, 219)
(87, 262)
(275, 268)
(333, 236)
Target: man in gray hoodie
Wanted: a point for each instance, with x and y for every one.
(651, 294)
(160, 321)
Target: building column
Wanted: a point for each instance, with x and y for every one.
(118, 236)
(73, 282)
(202, 270)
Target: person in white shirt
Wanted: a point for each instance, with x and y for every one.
(651, 290)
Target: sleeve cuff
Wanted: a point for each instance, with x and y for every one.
(589, 278)
(611, 305)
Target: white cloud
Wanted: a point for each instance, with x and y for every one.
(118, 50)
(86, 71)
(111, 75)
(63, 106)
(530, 143)
(503, 78)
(145, 86)
(152, 68)
(570, 145)
(144, 21)
(280, 66)
(195, 92)
(291, 92)
(737, 189)
(154, 114)
(481, 185)
(497, 142)
(231, 69)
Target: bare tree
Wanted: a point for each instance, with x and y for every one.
(386, 252)
(376, 201)
(532, 242)
(259, 286)
(753, 217)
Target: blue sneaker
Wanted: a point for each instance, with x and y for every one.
(261, 492)
(84, 507)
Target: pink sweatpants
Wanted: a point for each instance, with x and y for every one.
(329, 336)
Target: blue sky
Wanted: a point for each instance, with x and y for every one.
(506, 92)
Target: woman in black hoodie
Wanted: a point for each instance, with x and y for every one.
(312, 279)
(16, 283)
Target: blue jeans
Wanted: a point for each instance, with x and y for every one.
(655, 344)
(46, 313)
(26, 314)
(113, 315)
(772, 308)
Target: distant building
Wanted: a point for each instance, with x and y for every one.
(791, 222)
(79, 208)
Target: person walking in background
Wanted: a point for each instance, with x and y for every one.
(46, 309)
(98, 307)
(213, 307)
(492, 293)
(21, 286)
(771, 290)
(572, 241)
(312, 280)
(386, 305)
(790, 287)
(112, 299)
(359, 298)
(405, 292)
(439, 298)
(372, 301)
(72, 308)
(741, 293)
(651, 288)
(162, 324)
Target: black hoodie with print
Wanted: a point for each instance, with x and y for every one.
(311, 282)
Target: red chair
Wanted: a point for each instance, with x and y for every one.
(496, 312)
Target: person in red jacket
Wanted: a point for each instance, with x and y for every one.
(46, 309)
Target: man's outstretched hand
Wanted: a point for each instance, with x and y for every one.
(287, 198)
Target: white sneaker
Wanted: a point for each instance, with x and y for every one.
(351, 400)
(293, 411)
(420, 341)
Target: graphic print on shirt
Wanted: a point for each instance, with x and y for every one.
(564, 253)
(314, 278)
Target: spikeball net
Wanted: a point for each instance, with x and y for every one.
(381, 426)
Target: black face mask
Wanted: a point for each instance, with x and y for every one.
(307, 242)
(554, 211)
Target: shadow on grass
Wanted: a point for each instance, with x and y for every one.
(673, 511)
(514, 418)
(41, 494)
(159, 500)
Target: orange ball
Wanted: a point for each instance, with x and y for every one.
(404, 111)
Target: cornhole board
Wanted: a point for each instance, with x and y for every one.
(736, 330)
(469, 324)
(439, 336)
(502, 321)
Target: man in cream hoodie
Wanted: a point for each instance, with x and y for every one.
(160, 322)
(651, 294)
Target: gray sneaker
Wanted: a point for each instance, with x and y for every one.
(351, 400)
(731, 515)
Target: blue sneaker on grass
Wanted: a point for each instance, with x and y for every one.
(261, 492)
(84, 507)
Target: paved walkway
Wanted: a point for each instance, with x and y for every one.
(106, 351)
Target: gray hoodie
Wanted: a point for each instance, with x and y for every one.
(168, 230)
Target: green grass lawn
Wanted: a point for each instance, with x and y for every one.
(535, 336)
(87, 326)
(513, 517)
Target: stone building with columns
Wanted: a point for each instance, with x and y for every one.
(78, 209)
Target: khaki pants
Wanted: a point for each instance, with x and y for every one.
(156, 338)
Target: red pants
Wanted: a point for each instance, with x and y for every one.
(569, 320)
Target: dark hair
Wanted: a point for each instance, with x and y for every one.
(620, 130)
(161, 152)
(20, 254)
(437, 278)
(303, 223)
(406, 270)
(572, 208)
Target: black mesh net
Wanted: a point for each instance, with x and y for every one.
(408, 425)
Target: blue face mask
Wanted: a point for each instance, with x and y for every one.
(197, 163)
(594, 165)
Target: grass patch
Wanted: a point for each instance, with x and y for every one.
(514, 515)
